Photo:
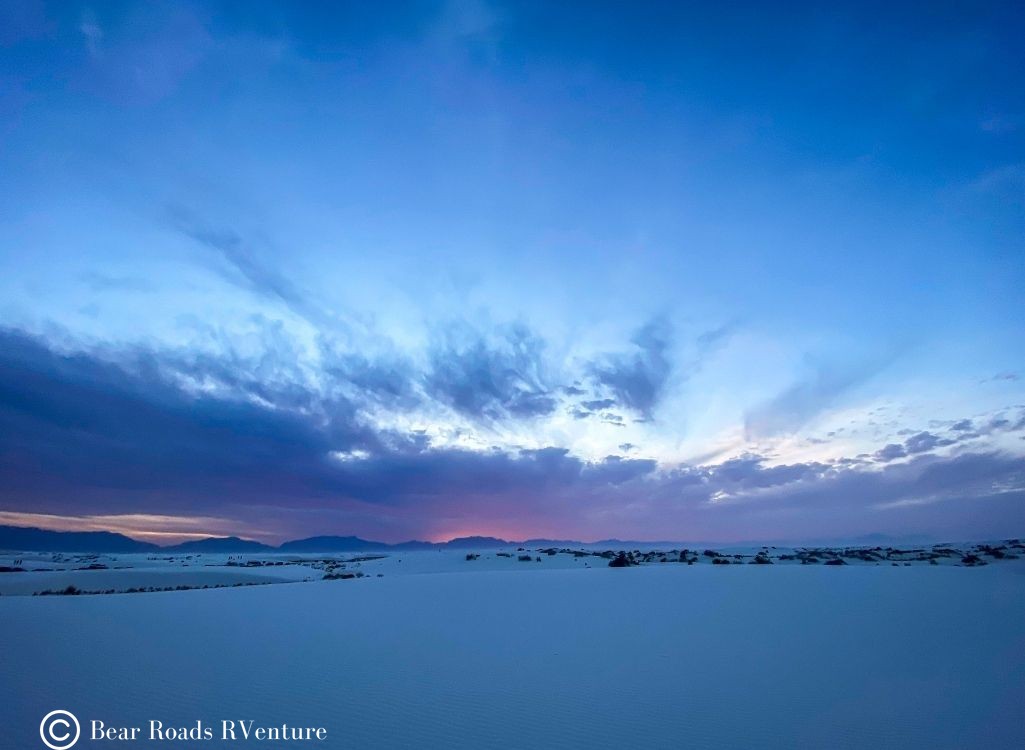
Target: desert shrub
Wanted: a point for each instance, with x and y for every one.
(620, 561)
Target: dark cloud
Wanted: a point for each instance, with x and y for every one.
(131, 431)
(617, 470)
(598, 408)
(959, 496)
(491, 379)
(638, 380)
(75, 424)
(749, 472)
(891, 452)
(389, 381)
(72, 422)
(963, 425)
(925, 441)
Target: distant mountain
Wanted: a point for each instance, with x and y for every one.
(331, 544)
(414, 545)
(26, 539)
(356, 544)
(477, 541)
(552, 543)
(42, 540)
(220, 544)
(874, 540)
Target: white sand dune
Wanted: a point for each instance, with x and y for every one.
(659, 656)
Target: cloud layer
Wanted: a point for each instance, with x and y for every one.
(136, 431)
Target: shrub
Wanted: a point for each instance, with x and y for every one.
(620, 561)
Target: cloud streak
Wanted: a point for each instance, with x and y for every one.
(638, 380)
(248, 271)
(799, 404)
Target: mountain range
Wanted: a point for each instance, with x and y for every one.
(22, 538)
(43, 540)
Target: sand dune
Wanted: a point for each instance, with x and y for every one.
(652, 656)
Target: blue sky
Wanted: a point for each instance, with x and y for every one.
(588, 270)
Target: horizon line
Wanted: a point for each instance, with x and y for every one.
(203, 536)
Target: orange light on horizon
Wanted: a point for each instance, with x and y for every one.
(142, 527)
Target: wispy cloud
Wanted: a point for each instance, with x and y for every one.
(804, 400)
(247, 270)
(92, 33)
(490, 378)
(637, 380)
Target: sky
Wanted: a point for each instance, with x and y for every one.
(651, 271)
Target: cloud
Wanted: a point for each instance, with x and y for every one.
(128, 426)
(247, 270)
(598, 408)
(92, 33)
(616, 470)
(716, 337)
(390, 380)
(491, 378)
(1006, 181)
(925, 441)
(638, 380)
(132, 431)
(890, 452)
(800, 403)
